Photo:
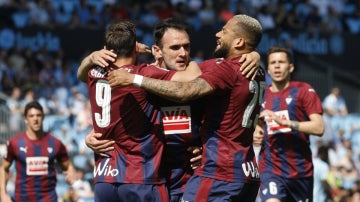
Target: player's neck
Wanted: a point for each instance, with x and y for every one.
(235, 53)
(279, 86)
(124, 61)
(34, 135)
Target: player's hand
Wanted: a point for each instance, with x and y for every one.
(99, 146)
(71, 176)
(142, 48)
(250, 64)
(102, 57)
(258, 136)
(270, 115)
(196, 159)
(120, 77)
(5, 198)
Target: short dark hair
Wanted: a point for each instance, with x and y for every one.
(33, 104)
(279, 49)
(168, 23)
(121, 37)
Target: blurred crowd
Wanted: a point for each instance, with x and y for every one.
(290, 15)
(341, 140)
(49, 77)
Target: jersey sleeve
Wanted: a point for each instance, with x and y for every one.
(10, 155)
(311, 100)
(62, 154)
(219, 74)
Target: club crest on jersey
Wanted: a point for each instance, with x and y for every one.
(50, 150)
(176, 119)
(288, 100)
(98, 72)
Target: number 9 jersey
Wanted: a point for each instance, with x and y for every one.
(124, 115)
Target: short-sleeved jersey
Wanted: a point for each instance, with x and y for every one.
(287, 152)
(35, 166)
(124, 114)
(228, 124)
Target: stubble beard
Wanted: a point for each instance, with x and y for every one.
(222, 52)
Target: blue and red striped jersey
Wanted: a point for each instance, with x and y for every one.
(181, 127)
(228, 125)
(35, 166)
(124, 114)
(287, 152)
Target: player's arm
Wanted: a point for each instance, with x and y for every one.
(191, 72)
(176, 91)
(98, 146)
(315, 126)
(250, 64)
(4, 176)
(68, 168)
(101, 58)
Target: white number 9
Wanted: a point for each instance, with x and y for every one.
(103, 98)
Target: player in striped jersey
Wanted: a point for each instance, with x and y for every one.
(132, 171)
(292, 111)
(35, 153)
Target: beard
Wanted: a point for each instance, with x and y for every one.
(222, 52)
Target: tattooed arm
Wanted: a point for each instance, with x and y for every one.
(176, 91)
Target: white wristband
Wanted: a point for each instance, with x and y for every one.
(137, 80)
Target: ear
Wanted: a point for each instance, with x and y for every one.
(292, 67)
(156, 51)
(239, 42)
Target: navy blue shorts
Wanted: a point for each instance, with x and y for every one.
(284, 189)
(203, 189)
(117, 192)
